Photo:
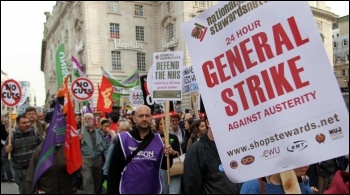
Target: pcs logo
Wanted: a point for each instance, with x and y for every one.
(247, 160)
(297, 146)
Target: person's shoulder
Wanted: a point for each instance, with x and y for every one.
(251, 186)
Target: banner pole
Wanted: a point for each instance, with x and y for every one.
(290, 182)
(10, 132)
(82, 120)
(166, 137)
(194, 105)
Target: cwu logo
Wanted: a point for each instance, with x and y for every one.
(273, 152)
(297, 146)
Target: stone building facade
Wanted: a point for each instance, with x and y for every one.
(341, 55)
(121, 36)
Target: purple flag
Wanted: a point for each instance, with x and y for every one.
(55, 134)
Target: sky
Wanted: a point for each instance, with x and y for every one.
(22, 27)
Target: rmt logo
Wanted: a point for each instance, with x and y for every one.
(297, 146)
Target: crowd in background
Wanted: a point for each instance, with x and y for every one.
(104, 143)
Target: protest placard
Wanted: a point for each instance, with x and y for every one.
(167, 76)
(268, 87)
(11, 93)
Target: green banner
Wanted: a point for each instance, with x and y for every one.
(61, 64)
(120, 91)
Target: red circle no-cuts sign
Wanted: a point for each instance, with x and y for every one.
(11, 93)
(82, 89)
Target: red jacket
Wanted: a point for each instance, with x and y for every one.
(340, 183)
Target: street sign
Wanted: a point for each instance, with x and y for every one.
(82, 89)
(11, 93)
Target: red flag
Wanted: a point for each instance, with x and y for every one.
(72, 143)
(104, 102)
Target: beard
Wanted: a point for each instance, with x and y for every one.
(143, 128)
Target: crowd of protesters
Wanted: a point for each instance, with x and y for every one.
(128, 154)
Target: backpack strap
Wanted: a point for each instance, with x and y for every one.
(262, 186)
(141, 146)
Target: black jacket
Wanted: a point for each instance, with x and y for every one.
(201, 170)
(4, 134)
(117, 163)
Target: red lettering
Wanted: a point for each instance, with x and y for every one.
(234, 61)
(280, 80)
(281, 38)
(245, 54)
(210, 78)
(296, 33)
(261, 46)
(295, 73)
(253, 83)
(268, 85)
(232, 107)
(220, 68)
(239, 87)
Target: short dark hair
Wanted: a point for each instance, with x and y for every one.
(114, 116)
(29, 109)
(104, 121)
(18, 118)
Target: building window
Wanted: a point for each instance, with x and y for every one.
(169, 31)
(200, 4)
(319, 25)
(141, 61)
(116, 61)
(337, 34)
(343, 72)
(138, 10)
(167, 6)
(334, 44)
(345, 43)
(140, 33)
(113, 6)
(114, 31)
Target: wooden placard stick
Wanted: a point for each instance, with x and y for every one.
(290, 182)
(10, 132)
(166, 136)
(194, 105)
(81, 103)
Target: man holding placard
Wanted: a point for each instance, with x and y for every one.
(24, 142)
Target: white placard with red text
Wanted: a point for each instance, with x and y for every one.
(82, 88)
(268, 88)
(11, 93)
